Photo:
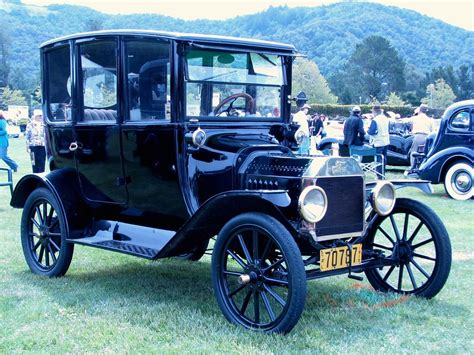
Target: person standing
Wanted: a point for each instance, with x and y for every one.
(422, 126)
(379, 132)
(4, 144)
(301, 119)
(316, 127)
(35, 144)
(354, 132)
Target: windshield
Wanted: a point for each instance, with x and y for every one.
(232, 85)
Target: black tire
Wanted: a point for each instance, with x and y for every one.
(44, 234)
(422, 248)
(458, 181)
(196, 254)
(276, 284)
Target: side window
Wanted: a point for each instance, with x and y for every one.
(98, 77)
(147, 67)
(58, 84)
(460, 121)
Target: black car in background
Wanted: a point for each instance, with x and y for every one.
(160, 141)
(449, 154)
(398, 153)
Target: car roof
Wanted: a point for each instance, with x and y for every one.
(185, 37)
(456, 106)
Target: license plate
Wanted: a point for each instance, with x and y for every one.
(338, 258)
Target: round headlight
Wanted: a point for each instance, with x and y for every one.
(313, 204)
(299, 136)
(383, 198)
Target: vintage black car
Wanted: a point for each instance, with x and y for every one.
(449, 154)
(160, 141)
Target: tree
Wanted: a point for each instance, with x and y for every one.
(394, 100)
(465, 82)
(12, 97)
(439, 95)
(374, 69)
(308, 78)
(4, 68)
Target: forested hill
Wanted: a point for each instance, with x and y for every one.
(327, 34)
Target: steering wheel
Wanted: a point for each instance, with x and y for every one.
(249, 106)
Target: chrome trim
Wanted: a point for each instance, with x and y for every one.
(196, 141)
(338, 236)
(302, 197)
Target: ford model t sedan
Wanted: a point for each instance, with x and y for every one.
(160, 141)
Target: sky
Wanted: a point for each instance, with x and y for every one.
(456, 12)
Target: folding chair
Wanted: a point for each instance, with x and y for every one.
(9, 181)
(369, 160)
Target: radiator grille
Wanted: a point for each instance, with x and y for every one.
(278, 166)
(345, 213)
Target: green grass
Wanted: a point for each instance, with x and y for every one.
(116, 303)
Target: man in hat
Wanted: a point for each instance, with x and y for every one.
(422, 126)
(354, 132)
(35, 141)
(301, 119)
(379, 132)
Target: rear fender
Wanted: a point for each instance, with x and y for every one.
(218, 210)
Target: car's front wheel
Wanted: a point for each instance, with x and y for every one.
(43, 235)
(258, 274)
(458, 181)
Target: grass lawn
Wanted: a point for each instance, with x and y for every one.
(117, 303)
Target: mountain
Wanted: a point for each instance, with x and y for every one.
(326, 34)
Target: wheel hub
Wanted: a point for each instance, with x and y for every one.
(251, 277)
(462, 181)
(403, 251)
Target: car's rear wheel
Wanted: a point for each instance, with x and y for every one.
(415, 241)
(258, 274)
(43, 235)
(458, 181)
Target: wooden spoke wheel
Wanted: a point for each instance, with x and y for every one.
(258, 274)
(43, 235)
(416, 241)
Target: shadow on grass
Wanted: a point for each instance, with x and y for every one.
(171, 284)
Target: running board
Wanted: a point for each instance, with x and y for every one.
(126, 238)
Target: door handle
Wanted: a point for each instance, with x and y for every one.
(75, 146)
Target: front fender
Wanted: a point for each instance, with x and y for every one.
(431, 169)
(423, 185)
(215, 212)
(328, 141)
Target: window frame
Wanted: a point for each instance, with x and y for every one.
(456, 130)
(46, 78)
(78, 93)
(124, 80)
(245, 119)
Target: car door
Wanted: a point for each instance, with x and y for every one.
(97, 143)
(56, 65)
(149, 133)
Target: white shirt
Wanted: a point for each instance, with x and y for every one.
(421, 124)
(301, 119)
(382, 137)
